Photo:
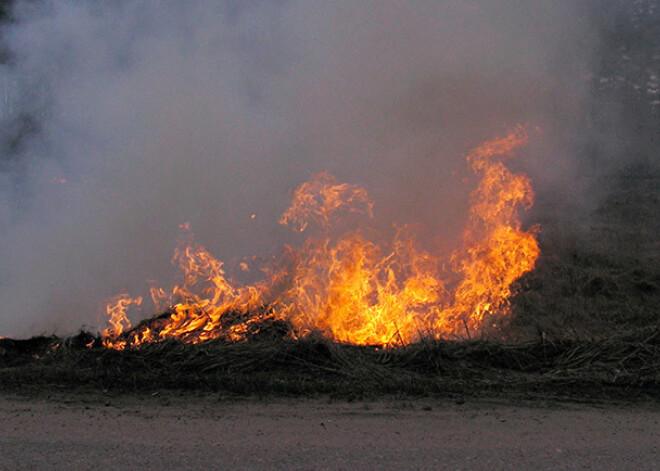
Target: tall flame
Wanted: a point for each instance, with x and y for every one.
(496, 250)
(352, 289)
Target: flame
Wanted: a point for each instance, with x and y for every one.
(496, 250)
(205, 305)
(352, 289)
(353, 292)
(320, 198)
(119, 323)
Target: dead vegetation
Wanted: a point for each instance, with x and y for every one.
(622, 367)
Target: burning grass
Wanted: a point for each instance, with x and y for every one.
(584, 324)
(352, 288)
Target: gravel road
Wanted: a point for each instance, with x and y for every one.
(207, 432)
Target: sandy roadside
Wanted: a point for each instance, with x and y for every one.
(207, 432)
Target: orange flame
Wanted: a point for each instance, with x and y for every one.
(118, 321)
(496, 250)
(318, 200)
(354, 293)
(351, 289)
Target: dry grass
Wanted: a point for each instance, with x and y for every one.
(619, 367)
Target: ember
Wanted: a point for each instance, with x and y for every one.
(350, 288)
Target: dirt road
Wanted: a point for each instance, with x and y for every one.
(207, 432)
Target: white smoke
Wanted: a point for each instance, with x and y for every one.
(131, 117)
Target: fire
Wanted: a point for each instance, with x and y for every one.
(118, 321)
(496, 250)
(353, 292)
(350, 288)
(317, 201)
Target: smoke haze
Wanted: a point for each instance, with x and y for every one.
(131, 117)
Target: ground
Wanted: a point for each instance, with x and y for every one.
(171, 431)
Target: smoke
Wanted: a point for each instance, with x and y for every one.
(129, 118)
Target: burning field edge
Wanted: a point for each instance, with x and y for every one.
(585, 327)
(625, 368)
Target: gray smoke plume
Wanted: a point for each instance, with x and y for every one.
(124, 119)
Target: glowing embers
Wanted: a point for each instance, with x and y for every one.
(352, 289)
